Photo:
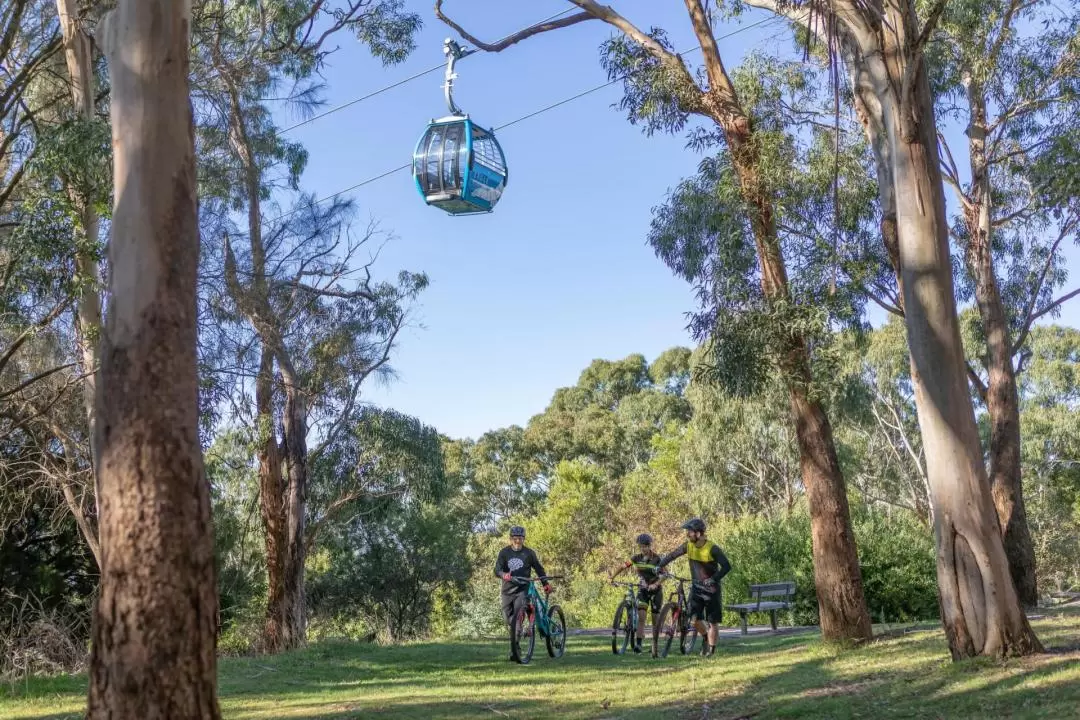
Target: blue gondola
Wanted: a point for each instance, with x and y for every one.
(458, 166)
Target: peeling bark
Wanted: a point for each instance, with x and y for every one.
(153, 651)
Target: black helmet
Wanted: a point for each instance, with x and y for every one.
(517, 531)
(644, 539)
(695, 524)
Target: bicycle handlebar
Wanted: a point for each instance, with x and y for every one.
(676, 577)
(544, 578)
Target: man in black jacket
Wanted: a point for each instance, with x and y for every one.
(516, 561)
(708, 566)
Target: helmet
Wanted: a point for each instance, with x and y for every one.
(517, 531)
(644, 539)
(695, 524)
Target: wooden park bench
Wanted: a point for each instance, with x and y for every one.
(784, 591)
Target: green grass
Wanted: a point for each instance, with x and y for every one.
(785, 676)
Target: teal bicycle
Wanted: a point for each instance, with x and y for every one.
(535, 615)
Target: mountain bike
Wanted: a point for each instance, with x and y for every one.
(624, 627)
(535, 615)
(675, 619)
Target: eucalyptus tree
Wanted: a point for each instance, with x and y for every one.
(291, 290)
(1015, 90)
(87, 197)
(55, 166)
(882, 44)
(662, 91)
(153, 648)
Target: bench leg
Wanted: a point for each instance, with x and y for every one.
(772, 619)
(742, 617)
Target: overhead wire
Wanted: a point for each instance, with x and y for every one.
(403, 81)
(527, 116)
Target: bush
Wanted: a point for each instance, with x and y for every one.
(896, 555)
(899, 571)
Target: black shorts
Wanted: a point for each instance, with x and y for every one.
(511, 603)
(651, 598)
(706, 606)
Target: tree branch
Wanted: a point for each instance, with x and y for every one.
(976, 382)
(36, 378)
(26, 334)
(517, 37)
(1030, 315)
(932, 19)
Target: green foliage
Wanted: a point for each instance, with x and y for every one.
(77, 154)
(570, 521)
(388, 539)
(654, 95)
(239, 553)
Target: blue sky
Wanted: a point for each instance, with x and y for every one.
(521, 300)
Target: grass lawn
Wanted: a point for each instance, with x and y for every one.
(785, 676)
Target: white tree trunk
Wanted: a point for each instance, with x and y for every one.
(979, 604)
(153, 651)
(79, 58)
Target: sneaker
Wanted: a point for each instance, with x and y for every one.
(637, 647)
(705, 648)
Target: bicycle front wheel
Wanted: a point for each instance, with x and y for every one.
(664, 630)
(556, 637)
(522, 636)
(621, 628)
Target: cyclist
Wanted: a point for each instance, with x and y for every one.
(516, 561)
(708, 565)
(649, 594)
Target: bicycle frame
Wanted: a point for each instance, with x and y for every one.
(678, 595)
(635, 605)
(534, 602)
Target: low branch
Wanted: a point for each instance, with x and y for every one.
(517, 37)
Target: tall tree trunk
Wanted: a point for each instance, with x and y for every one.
(79, 58)
(981, 612)
(285, 513)
(153, 651)
(1002, 398)
(296, 507)
(837, 577)
(979, 605)
(271, 507)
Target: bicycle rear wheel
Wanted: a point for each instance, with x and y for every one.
(664, 630)
(556, 637)
(522, 636)
(621, 628)
(688, 635)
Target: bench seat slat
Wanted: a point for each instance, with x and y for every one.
(765, 606)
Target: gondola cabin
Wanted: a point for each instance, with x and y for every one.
(459, 167)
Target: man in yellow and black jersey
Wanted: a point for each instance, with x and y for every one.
(708, 566)
(649, 593)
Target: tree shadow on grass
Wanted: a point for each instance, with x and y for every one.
(908, 676)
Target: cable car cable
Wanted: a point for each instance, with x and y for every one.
(533, 114)
(401, 82)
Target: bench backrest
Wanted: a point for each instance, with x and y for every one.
(772, 590)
